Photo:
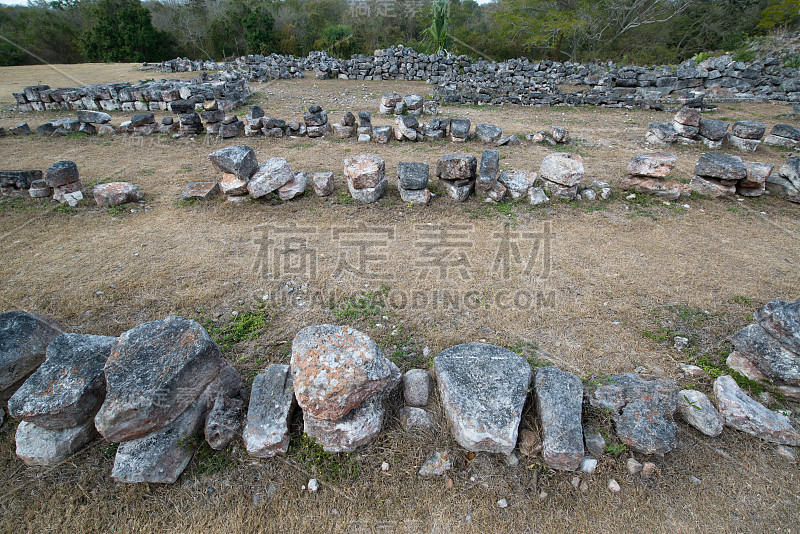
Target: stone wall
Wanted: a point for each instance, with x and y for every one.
(525, 81)
(142, 96)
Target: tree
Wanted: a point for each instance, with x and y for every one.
(338, 40)
(783, 14)
(123, 31)
(257, 26)
(438, 33)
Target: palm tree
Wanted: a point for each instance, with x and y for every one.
(439, 30)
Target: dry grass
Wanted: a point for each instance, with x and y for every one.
(616, 267)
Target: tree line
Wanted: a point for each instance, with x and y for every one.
(635, 31)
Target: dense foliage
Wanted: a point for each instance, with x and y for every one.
(637, 31)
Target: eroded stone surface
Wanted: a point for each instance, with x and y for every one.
(697, 410)
(69, 387)
(365, 171)
(155, 372)
(266, 433)
(40, 446)
(116, 194)
(562, 168)
(653, 165)
(483, 389)
(559, 401)
(641, 407)
(269, 176)
(24, 338)
(361, 425)
(335, 368)
(743, 413)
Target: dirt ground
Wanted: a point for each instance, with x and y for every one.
(593, 287)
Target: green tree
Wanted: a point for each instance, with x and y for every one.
(438, 33)
(783, 14)
(123, 31)
(257, 26)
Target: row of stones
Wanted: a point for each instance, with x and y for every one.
(716, 175)
(688, 127)
(164, 381)
(125, 96)
(460, 175)
(524, 81)
(314, 123)
(62, 183)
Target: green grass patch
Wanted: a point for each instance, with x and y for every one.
(367, 307)
(330, 467)
(529, 351)
(242, 326)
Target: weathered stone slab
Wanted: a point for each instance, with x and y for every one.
(720, 166)
(414, 196)
(697, 410)
(537, 196)
(142, 119)
(412, 175)
(487, 173)
(743, 413)
(40, 446)
(653, 165)
(69, 387)
(456, 167)
(294, 187)
(223, 422)
(562, 168)
(641, 407)
(323, 183)
(713, 130)
(364, 171)
(115, 194)
(232, 186)
(712, 187)
(155, 372)
(559, 401)
(416, 387)
(413, 418)
(688, 116)
(786, 131)
(368, 195)
(791, 171)
(781, 320)
(782, 188)
(757, 174)
(666, 189)
(488, 133)
(740, 143)
(269, 176)
(749, 129)
(483, 389)
(517, 182)
(773, 359)
(200, 191)
(458, 189)
(94, 117)
(561, 192)
(61, 173)
(459, 129)
(266, 433)
(24, 338)
(335, 368)
(661, 133)
(162, 455)
(361, 425)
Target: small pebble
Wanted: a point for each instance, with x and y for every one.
(634, 467)
(613, 485)
(502, 503)
(313, 485)
(588, 465)
(584, 487)
(512, 460)
(384, 467)
(695, 480)
(542, 495)
(576, 482)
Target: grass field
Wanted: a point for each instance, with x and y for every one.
(621, 279)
